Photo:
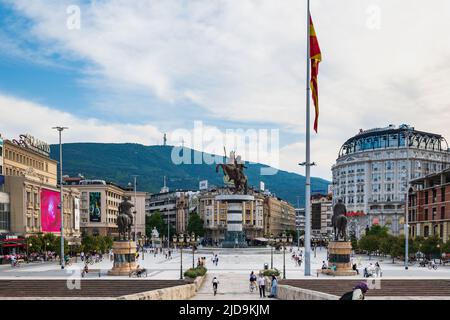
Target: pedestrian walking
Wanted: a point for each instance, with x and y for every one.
(262, 286)
(378, 269)
(274, 285)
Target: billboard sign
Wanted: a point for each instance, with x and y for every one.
(76, 213)
(50, 213)
(262, 186)
(95, 206)
(203, 185)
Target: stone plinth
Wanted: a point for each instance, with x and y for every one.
(124, 258)
(339, 255)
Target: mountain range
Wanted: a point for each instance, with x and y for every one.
(118, 162)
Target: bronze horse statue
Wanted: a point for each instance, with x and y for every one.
(125, 220)
(339, 221)
(235, 173)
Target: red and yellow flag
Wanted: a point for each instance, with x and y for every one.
(316, 57)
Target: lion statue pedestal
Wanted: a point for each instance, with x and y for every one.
(124, 258)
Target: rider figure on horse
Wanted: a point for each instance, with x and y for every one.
(339, 221)
(125, 219)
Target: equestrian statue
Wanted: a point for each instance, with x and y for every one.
(339, 221)
(235, 171)
(125, 219)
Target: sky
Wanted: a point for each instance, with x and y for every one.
(130, 71)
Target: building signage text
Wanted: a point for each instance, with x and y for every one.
(30, 142)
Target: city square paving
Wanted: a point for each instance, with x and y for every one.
(232, 270)
(235, 261)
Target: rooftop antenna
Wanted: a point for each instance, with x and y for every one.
(165, 139)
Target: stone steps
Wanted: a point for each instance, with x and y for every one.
(388, 287)
(89, 288)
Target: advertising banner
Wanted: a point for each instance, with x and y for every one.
(50, 213)
(76, 214)
(95, 205)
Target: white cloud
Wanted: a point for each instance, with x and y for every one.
(20, 116)
(244, 60)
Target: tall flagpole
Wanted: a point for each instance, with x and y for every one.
(308, 156)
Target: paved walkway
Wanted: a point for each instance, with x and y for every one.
(232, 286)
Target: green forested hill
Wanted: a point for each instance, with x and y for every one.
(118, 162)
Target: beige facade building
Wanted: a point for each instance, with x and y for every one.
(279, 216)
(99, 206)
(214, 214)
(139, 202)
(31, 176)
(321, 214)
(20, 161)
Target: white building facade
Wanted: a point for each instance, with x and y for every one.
(371, 173)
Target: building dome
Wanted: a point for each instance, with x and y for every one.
(392, 137)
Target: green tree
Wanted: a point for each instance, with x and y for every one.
(195, 225)
(417, 245)
(155, 221)
(396, 248)
(386, 244)
(446, 247)
(108, 242)
(378, 231)
(354, 242)
(431, 247)
(35, 243)
(50, 242)
(58, 246)
(369, 243)
(89, 243)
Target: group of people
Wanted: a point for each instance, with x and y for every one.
(215, 259)
(201, 261)
(297, 256)
(91, 256)
(325, 266)
(260, 282)
(373, 270)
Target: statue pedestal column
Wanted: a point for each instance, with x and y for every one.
(339, 255)
(124, 258)
(235, 234)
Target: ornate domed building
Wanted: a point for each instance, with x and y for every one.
(371, 173)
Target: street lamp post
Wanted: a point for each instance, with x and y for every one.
(194, 241)
(185, 240)
(315, 248)
(61, 204)
(406, 227)
(135, 208)
(271, 243)
(28, 253)
(284, 240)
(143, 246)
(179, 240)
